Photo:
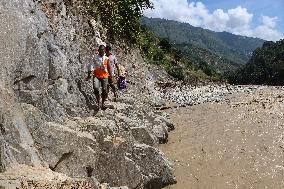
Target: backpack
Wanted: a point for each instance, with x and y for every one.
(121, 83)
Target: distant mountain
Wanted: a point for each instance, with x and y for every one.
(266, 66)
(222, 50)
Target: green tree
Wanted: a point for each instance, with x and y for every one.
(266, 66)
(165, 44)
(121, 17)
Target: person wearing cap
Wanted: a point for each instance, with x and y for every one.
(114, 64)
(102, 70)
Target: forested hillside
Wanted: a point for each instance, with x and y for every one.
(222, 50)
(266, 66)
(160, 52)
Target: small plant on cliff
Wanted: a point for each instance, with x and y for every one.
(121, 17)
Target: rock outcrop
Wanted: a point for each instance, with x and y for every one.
(47, 116)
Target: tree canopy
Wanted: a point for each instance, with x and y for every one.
(266, 66)
(121, 17)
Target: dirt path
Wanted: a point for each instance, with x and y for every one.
(238, 143)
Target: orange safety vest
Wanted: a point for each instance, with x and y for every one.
(101, 67)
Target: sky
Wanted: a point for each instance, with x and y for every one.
(253, 18)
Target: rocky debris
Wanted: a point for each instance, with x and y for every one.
(23, 176)
(27, 177)
(48, 115)
(192, 95)
(269, 99)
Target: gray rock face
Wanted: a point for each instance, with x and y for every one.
(17, 144)
(47, 116)
(143, 135)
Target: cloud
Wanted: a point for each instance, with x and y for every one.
(237, 20)
(239, 17)
(267, 29)
(268, 21)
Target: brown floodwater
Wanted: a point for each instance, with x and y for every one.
(238, 143)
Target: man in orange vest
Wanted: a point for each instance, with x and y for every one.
(102, 70)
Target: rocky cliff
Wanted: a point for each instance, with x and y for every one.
(47, 118)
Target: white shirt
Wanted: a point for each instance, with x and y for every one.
(113, 62)
(96, 63)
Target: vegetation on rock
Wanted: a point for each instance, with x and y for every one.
(161, 52)
(121, 17)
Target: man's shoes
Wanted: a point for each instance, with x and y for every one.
(103, 107)
(98, 107)
(115, 97)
